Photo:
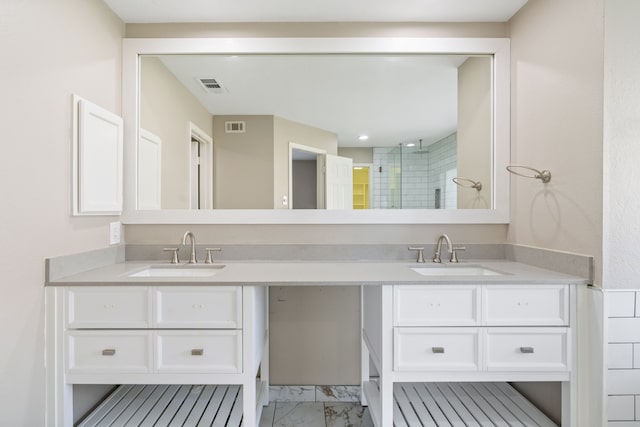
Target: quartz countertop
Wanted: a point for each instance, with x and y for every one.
(320, 273)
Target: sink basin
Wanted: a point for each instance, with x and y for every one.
(179, 271)
(455, 271)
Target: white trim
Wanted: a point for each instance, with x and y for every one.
(499, 47)
(309, 149)
(206, 169)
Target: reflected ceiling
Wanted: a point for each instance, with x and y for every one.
(391, 99)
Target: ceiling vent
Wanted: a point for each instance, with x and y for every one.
(211, 85)
(234, 127)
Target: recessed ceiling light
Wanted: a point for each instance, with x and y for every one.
(363, 137)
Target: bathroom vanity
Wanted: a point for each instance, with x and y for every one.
(157, 323)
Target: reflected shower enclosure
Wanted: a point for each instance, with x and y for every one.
(417, 176)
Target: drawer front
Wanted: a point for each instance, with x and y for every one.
(97, 352)
(199, 307)
(111, 307)
(204, 352)
(535, 305)
(436, 305)
(527, 349)
(436, 349)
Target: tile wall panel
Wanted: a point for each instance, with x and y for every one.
(623, 358)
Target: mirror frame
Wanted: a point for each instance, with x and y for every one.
(498, 47)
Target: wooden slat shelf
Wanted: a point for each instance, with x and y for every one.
(489, 404)
(168, 406)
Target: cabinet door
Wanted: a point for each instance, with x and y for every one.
(433, 305)
(199, 351)
(436, 349)
(109, 307)
(208, 307)
(521, 305)
(527, 349)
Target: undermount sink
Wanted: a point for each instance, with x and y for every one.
(462, 270)
(179, 271)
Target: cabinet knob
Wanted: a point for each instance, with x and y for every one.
(197, 352)
(109, 352)
(437, 350)
(526, 350)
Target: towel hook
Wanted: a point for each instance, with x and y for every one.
(467, 183)
(544, 176)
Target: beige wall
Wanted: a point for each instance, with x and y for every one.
(50, 50)
(285, 132)
(166, 109)
(320, 29)
(304, 189)
(243, 163)
(358, 155)
(557, 119)
(474, 132)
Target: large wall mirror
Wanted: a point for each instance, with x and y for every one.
(392, 130)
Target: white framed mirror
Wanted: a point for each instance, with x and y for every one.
(174, 54)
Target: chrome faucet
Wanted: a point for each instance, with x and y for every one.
(192, 256)
(452, 250)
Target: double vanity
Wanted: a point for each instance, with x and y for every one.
(485, 322)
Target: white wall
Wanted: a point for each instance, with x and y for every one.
(621, 144)
(50, 49)
(556, 113)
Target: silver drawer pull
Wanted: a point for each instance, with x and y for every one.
(109, 352)
(197, 352)
(528, 350)
(437, 350)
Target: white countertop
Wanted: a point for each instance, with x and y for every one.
(320, 273)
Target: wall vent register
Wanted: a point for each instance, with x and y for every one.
(234, 127)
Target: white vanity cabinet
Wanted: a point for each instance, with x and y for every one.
(465, 333)
(158, 335)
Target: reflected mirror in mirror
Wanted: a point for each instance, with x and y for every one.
(297, 131)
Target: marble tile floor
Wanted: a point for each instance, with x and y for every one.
(315, 414)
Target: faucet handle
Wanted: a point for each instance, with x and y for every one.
(209, 259)
(420, 258)
(174, 256)
(454, 255)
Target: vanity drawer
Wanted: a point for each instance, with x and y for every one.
(111, 307)
(199, 307)
(539, 305)
(527, 349)
(435, 305)
(199, 351)
(430, 349)
(97, 352)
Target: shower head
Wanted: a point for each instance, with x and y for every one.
(420, 150)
